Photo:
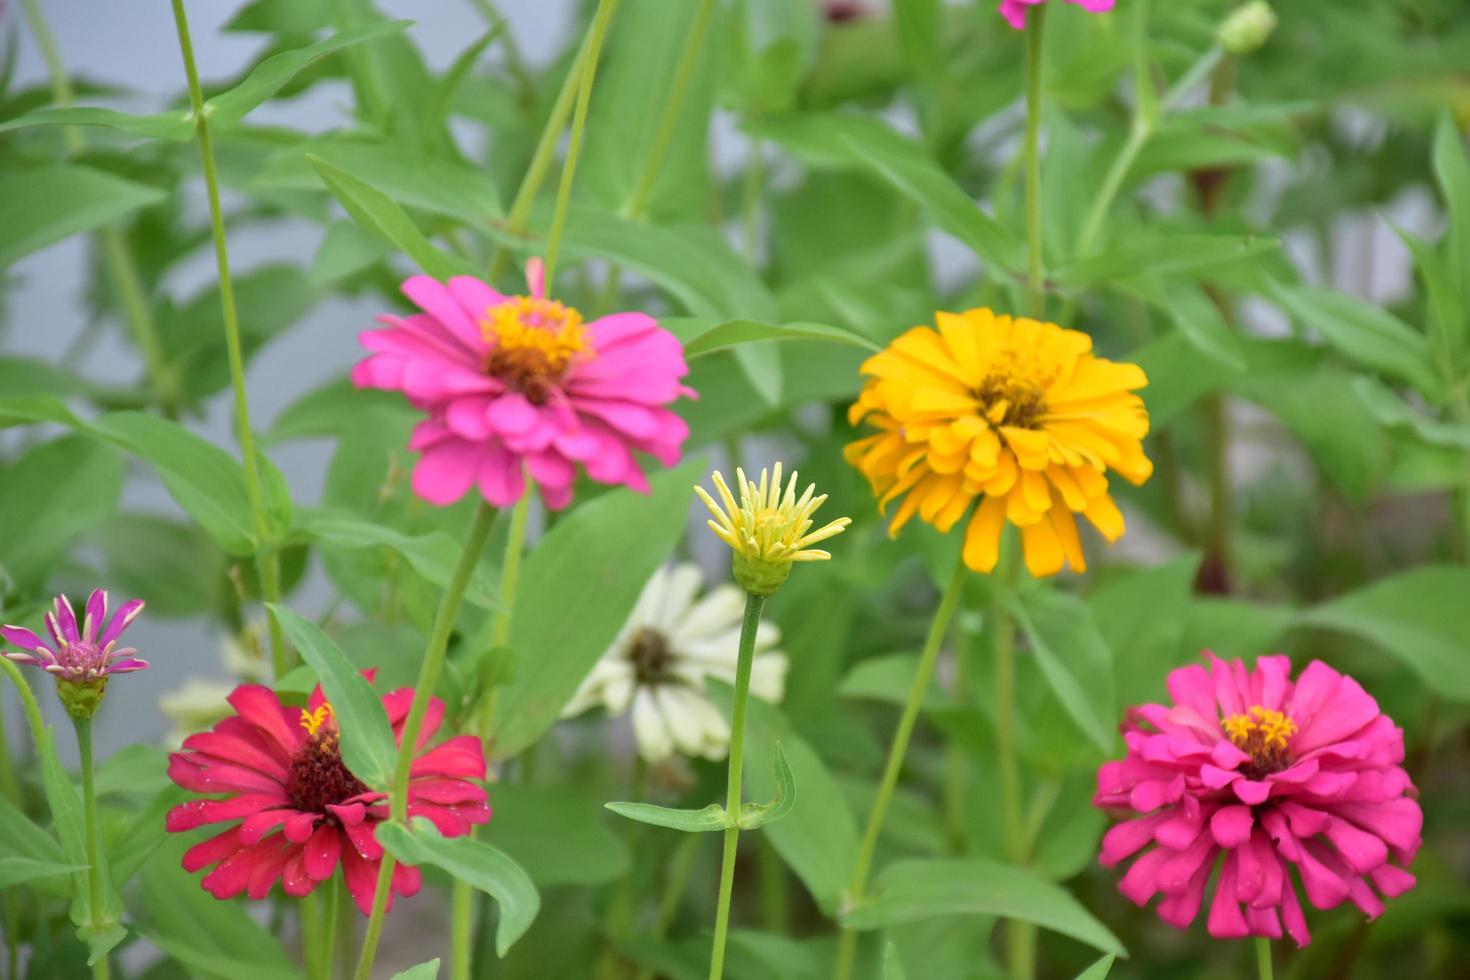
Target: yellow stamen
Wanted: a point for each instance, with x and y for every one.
(544, 333)
(1260, 729)
(312, 721)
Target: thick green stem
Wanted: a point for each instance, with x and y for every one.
(266, 560)
(668, 122)
(857, 887)
(600, 21)
(461, 931)
(433, 663)
(1031, 153)
(748, 629)
(83, 726)
(1263, 958)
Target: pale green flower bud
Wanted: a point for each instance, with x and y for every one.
(1247, 28)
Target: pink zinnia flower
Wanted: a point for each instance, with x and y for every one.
(513, 380)
(1015, 10)
(80, 654)
(280, 769)
(1273, 773)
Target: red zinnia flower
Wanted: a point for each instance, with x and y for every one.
(280, 769)
(1273, 774)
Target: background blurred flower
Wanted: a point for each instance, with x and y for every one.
(673, 640)
(281, 769)
(519, 384)
(1014, 11)
(1273, 773)
(1015, 412)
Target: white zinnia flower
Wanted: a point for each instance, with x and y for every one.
(659, 660)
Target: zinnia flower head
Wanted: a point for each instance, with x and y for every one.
(769, 528)
(1017, 413)
(657, 665)
(276, 775)
(82, 657)
(1270, 773)
(520, 384)
(1014, 11)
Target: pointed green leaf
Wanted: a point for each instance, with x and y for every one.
(424, 971)
(753, 815)
(1098, 970)
(1452, 171)
(702, 337)
(1073, 656)
(710, 818)
(174, 124)
(47, 204)
(368, 748)
(908, 891)
(1165, 254)
(476, 864)
(892, 965)
(20, 870)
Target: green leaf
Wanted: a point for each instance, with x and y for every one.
(1141, 615)
(1198, 319)
(1452, 171)
(753, 815)
(174, 124)
(1387, 407)
(910, 890)
(207, 482)
(1171, 254)
(48, 497)
(1098, 970)
(378, 213)
(50, 203)
(1419, 617)
(476, 864)
(602, 552)
(707, 819)
(21, 837)
(173, 563)
(433, 555)
(559, 834)
(702, 337)
(20, 870)
(424, 971)
(892, 965)
(1447, 321)
(1368, 335)
(268, 77)
(368, 748)
(887, 678)
(1074, 658)
(818, 840)
(905, 165)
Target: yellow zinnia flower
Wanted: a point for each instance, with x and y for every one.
(1015, 412)
(768, 529)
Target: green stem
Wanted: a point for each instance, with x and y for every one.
(83, 726)
(462, 931)
(600, 21)
(1021, 936)
(1263, 958)
(343, 922)
(748, 629)
(433, 663)
(956, 764)
(265, 556)
(312, 954)
(1031, 152)
(668, 122)
(857, 888)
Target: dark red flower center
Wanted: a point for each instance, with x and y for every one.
(318, 776)
(1264, 735)
(649, 651)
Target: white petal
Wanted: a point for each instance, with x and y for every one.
(680, 586)
(680, 708)
(616, 694)
(649, 728)
(768, 676)
(721, 609)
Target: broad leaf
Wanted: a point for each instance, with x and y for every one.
(892, 965)
(1074, 658)
(50, 203)
(707, 819)
(21, 870)
(368, 748)
(1452, 171)
(476, 864)
(1098, 970)
(49, 496)
(558, 834)
(912, 890)
(424, 971)
(1166, 254)
(702, 337)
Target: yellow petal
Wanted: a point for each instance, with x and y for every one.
(982, 537)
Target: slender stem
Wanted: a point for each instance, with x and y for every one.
(748, 629)
(266, 560)
(462, 931)
(668, 122)
(1263, 958)
(600, 21)
(312, 955)
(432, 664)
(956, 765)
(83, 726)
(514, 59)
(1021, 936)
(857, 888)
(343, 921)
(1035, 287)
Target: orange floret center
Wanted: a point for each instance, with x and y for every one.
(534, 340)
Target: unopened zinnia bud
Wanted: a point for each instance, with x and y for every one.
(1246, 28)
(768, 529)
(80, 656)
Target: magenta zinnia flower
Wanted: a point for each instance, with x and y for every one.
(1271, 773)
(1015, 10)
(509, 381)
(80, 654)
(280, 769)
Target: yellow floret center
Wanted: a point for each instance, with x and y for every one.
(1264, 734)
(533, 339)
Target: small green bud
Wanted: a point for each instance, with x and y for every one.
(759, 576)
(1247, 27)
(81, 698)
